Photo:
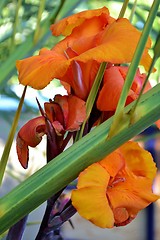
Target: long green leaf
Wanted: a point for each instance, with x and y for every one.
(66, 167)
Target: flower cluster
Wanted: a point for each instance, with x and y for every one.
(111, 192)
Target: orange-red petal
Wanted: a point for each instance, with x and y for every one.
(114, 79)
(76, 114)
(29, 135)
(117, 44)
(38, 71)
(68, 24)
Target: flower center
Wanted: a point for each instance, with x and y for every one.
(114, 181)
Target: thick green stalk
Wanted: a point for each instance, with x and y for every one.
(8, 145)
(133, 67)
(66, 167)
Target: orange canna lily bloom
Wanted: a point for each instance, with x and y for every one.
(91, 36)
(65, 113)
(113, 82)
(112, 192)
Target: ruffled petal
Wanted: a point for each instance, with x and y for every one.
(90, 197)
(113, 163)
(134, 193)
(76, 114)
(68, 24)
(138, 160)
(29, 135)
(109, 95)
(117, 44)
(38, 71)
(92, 204)
(114, 79)
(74, 111)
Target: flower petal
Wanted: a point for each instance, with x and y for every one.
(114, 79)
(76, 114)
(68, 24)
(29, 135)
(38, 71)
(117, 44)
(109, 95)
(73, 109)
(138, 160)
(90, 197)
(113, 163)
(135, 194)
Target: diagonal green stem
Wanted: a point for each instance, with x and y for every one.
(123, 9)
(141, 92)
(8, 145)
(133, 66)
(55, 16)
(156, 51)
(133, 10)
(15, 25)
(40, 11)
(92, 96)
(66, 167)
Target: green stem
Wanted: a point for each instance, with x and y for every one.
(133, 11)
(40, 11)
(143, 87)
(92, 96)
(15, 25)
(123, 9)
(133, 66)
(8, 145)
(55, 16)
(156, 51)
(66, 166)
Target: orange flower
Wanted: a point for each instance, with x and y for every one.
(65, 113)
(114, 78)
(111, 192)
(91, 35)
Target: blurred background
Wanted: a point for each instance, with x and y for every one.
(24, 29)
